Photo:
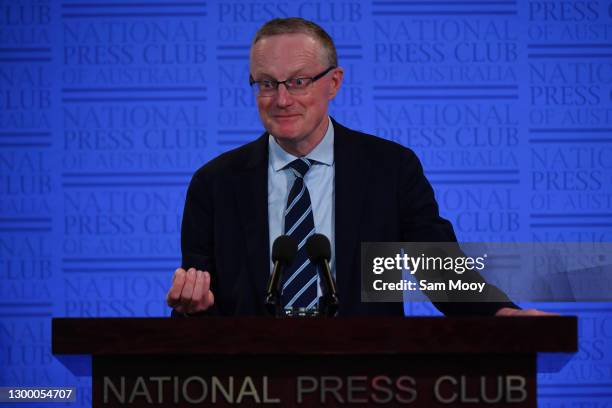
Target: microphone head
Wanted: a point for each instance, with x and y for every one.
(318, 248)
(284, 249)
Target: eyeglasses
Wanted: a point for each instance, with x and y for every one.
(295, 86)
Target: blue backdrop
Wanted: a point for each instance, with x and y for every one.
(107, 108)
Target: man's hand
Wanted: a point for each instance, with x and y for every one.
(190, 291)
(508, 311)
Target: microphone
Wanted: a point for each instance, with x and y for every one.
(284, 249)
(319, 252)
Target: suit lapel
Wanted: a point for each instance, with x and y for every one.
(351, 178)
(251, 188)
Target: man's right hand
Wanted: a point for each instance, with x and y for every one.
(190, 291)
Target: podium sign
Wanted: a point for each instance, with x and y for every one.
(314, 361)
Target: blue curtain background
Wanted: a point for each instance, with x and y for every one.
(107, 108)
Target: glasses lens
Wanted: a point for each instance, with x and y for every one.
(262, 89)
(298, 85)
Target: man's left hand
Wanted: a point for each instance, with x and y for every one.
(508, 311)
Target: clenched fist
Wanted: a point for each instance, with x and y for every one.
(190, 291)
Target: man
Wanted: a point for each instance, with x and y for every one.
(306, 174)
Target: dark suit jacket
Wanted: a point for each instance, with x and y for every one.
(381, 194)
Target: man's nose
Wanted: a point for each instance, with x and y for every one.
(283, 97)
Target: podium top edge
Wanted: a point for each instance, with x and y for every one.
(313, 335)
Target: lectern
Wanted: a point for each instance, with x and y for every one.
(312, 362)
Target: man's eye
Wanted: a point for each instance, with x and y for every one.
(299, 82)
(266, 84)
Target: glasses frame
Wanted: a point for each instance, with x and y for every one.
(276, 83)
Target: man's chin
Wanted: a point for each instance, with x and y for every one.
(285, 132)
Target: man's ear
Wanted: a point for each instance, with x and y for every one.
(335, 83)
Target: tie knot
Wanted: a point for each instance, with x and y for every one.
(300, 166)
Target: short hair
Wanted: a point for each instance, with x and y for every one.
(297, 25)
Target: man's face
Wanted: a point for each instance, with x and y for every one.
(294, 119)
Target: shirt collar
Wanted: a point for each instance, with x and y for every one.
(323, 153)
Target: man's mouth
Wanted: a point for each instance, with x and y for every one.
(286, 116)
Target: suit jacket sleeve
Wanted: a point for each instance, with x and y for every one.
(421, 222)
(197, 230)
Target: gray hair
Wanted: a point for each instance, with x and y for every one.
(297, 25)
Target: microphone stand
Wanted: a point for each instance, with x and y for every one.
(328, 302)
(273, 296)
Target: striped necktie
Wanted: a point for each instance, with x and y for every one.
(300, 278)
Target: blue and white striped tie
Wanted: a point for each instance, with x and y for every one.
(300, 278)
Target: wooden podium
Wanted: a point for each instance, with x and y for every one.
(422, 361)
